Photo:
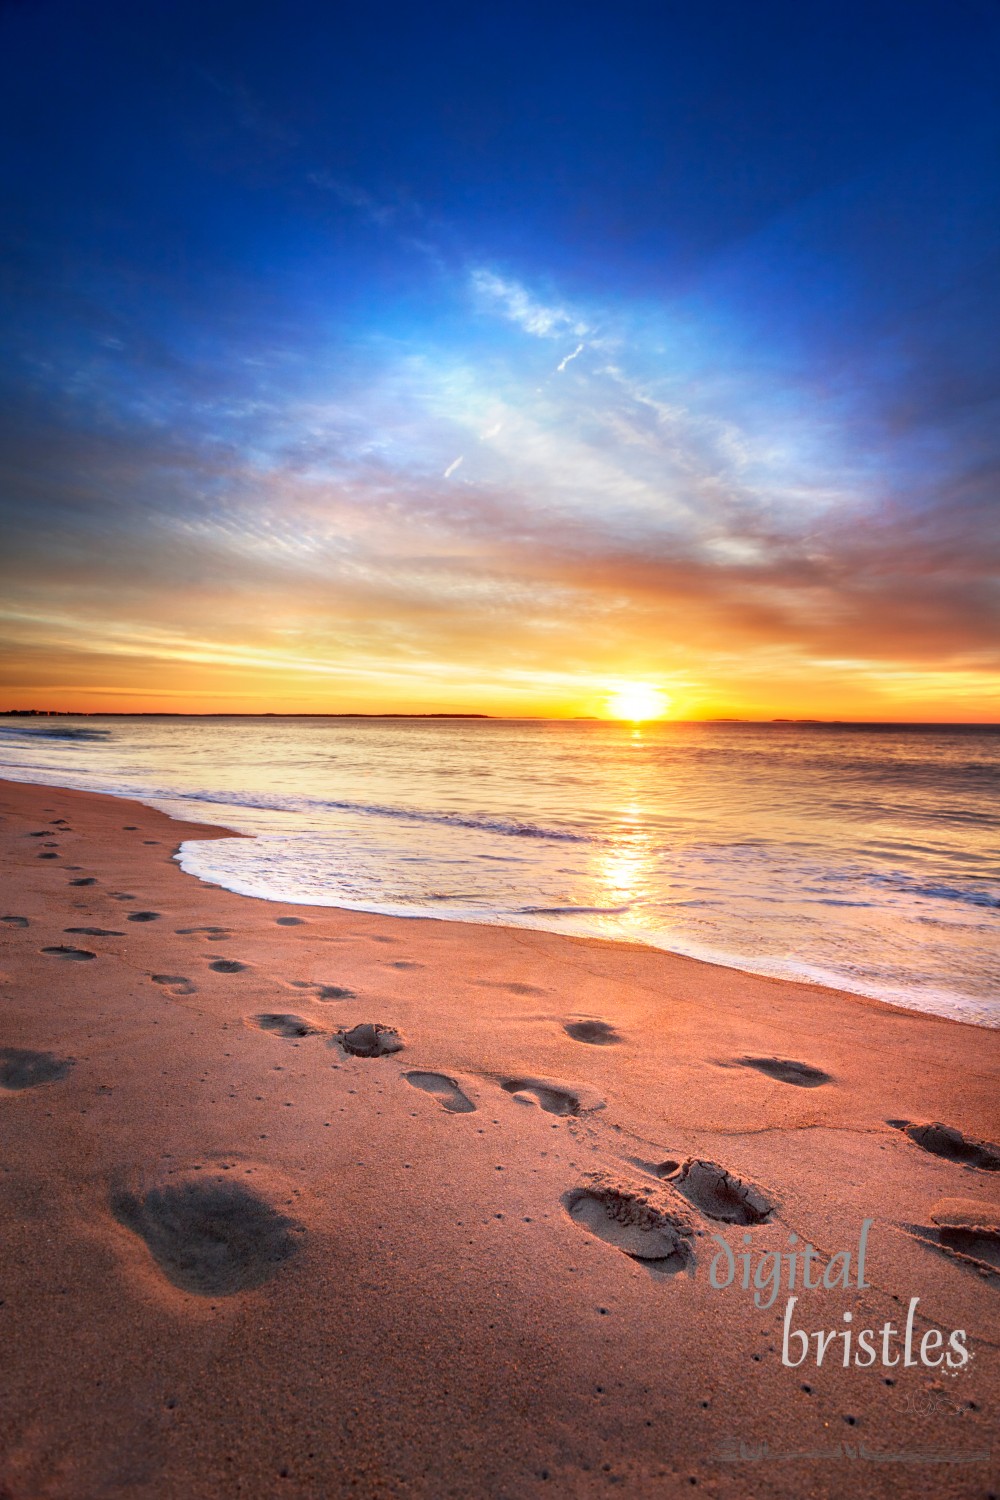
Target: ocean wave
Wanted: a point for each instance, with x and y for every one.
(52, 732)
(573, 911)
(967, 896)
(506, 827)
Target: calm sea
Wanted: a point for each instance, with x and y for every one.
(860, 856)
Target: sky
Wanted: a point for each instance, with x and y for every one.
(465, 358)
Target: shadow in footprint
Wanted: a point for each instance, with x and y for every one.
(514, 986)
(177, 984)
(404, 963)
(785, 1070)
(93, 931)
(290, 921)
(554, 1100)
(197, 931)
(720, 1194)
(946, 1141)
(80, 955)
(23, 1069)
(662, 1169)
(284, 1025)
(369, 1039)
(597, 1033)
(227, 966)
(334, 992)
(84, 880)
(143, 916)
(16, 921)
(445, 1090)
(658, 1239)
(965, 1230)
(213, 1238)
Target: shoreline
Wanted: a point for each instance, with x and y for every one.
(733, 963)
(429, 1297)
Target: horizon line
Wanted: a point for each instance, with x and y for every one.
(70, 713)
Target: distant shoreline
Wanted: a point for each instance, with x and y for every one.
(65, 713)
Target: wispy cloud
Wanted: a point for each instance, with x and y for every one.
(575, 355)
(449, 471)
(513, 302)
(352, 196)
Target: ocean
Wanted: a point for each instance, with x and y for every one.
(859, 856)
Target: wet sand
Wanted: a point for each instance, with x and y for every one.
(308, 1202)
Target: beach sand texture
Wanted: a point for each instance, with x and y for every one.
(312, 1202)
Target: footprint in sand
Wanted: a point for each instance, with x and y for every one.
(60, 823)
(283, 1025)
(290, 921)
(16, 921)
(966, 1230)
(79, 954)
(721, 1194)
(122, 896)
(597, 1033)
(369, 1039)
(404, 963)
(84, 880)
(550, 1096)
(801, 1074)
(45, 855)
(93, 931)
(131, 827)
(445, 1090)
(177, 984)
(513, 985)
(143, 916)
(322, 991)
(946, 1141)
(211, 1237)
(23, 1069)
(659, 1237)
(227, 966)
(666, 1168)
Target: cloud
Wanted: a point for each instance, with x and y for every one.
(515, 304)
(564, 362)
(358, 198)
(260, 515)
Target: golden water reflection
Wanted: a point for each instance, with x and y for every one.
(622, 871)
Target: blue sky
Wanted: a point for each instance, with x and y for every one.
(384, 357)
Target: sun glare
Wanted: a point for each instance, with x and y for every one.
(637, 701)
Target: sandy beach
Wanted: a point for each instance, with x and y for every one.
(309, 1202)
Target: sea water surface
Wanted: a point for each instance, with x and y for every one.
(860, 856)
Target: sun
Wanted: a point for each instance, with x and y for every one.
(637, 701)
